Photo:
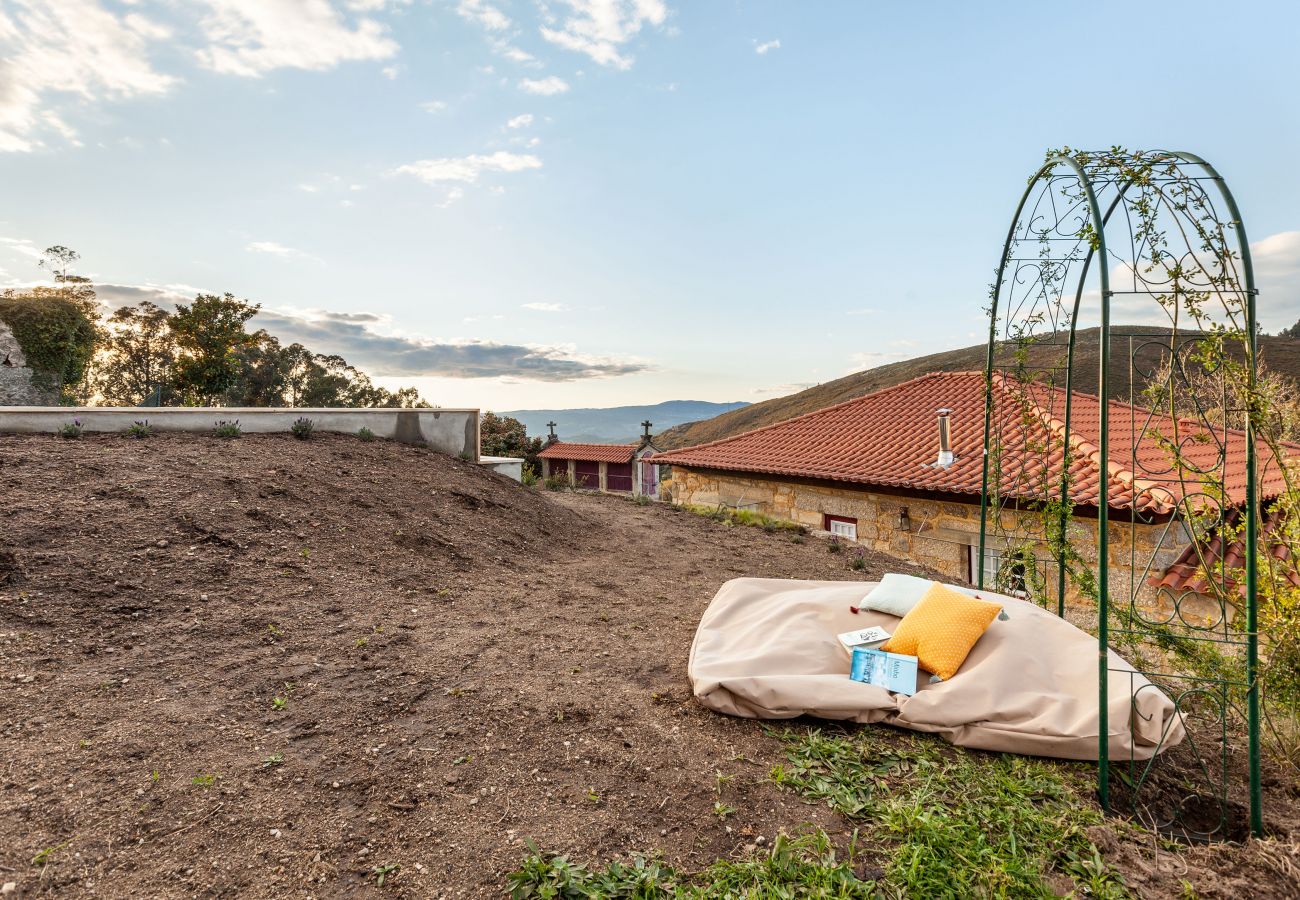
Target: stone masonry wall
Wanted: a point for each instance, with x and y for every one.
(18, 387)
(940, 534)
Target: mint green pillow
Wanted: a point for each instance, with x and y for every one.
(897, 594)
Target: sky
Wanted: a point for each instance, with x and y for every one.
(560, 203)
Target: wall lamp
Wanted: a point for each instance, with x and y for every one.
(904, 520)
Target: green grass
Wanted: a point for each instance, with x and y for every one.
(955, 823)
(745, 517)
(803, 866)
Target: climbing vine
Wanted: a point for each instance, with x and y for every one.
(56, 335)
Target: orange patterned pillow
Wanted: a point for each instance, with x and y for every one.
(941, 629)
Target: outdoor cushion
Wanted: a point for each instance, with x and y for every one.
(767, 649)
(897, 594)
(941, 629)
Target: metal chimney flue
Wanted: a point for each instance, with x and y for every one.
(945, 439)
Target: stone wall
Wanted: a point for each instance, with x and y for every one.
(19, 385)
(940, 534)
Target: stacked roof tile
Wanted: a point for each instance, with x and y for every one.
(890, 439)
(609, 453)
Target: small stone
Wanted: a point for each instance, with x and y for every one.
(9, 887)
(163, 543)
(334, 784)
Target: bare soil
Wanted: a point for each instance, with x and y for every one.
(272, 668)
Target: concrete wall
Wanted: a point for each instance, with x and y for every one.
(509, 466)
(451, 431)
(940, 533)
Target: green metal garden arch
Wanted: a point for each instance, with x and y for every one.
(1178, 255)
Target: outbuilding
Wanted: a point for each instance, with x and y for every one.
(609, 468)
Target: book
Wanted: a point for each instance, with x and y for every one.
(863, 637)
(891, 671)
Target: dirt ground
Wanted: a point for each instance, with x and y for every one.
(273, 668)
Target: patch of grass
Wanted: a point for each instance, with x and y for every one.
(746, 517)
(205, 781)
(957, 823)
(802, 866)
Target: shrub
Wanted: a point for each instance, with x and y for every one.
(642, 500)
(559, 483)
(139, 429)
(528, 475)
(859, 560)
(366, 435)
(71, 431)
(302, 428)
(835, 545)
(227, 429)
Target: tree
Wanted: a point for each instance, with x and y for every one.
(209, 336)
(506, 436)
(1292, 332)
(57, 327)
(138, 356)
(263, 375)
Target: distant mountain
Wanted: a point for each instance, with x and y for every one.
(616, 424)
(1281, 354)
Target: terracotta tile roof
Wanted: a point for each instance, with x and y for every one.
(614, 453)
(1187, 574)
(890, 439)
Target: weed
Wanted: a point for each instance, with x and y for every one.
(274, 633)
(205, 781)
(227, 429)
(305, 553)
(83, 744)
(302, 428)
(461, 760)
(154, 776)
(366, 435)
(559, 483)
(722, 810)
(43, 856)
(592, 796)
(71, 431)
(275, 759)
(962, 824)
(720, 781)
(279, 703)
(803, 866)
(361, 642)
(382, 872)
(750, 517)
(642, 500)
(139, 429)
(798, 539)
(528, 475)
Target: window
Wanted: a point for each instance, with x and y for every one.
(842, 526)
(1000, 574)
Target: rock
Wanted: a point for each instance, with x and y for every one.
(9, 887)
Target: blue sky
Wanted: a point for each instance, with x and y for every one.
(515, 203)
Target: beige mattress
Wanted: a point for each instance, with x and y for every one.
(767, 649)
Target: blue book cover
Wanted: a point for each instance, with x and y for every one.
(891, 671)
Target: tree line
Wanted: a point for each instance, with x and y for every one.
(199, 354)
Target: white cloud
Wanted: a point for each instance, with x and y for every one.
(522, 121)
(251, 37)
(391, 72)
(599, 28)
(544, 87)
(467, 168)
(484, 14)
(273, 248)
(22, 247)
(513, 53)
(434, 106)
(452, 196)
(546, 307)
(74, 48)
(763, 48)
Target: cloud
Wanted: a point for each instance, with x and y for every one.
(467, 168)
(74, 49)
(599, 28)
(513, 53)
(763, 48)
(22, 247)
(522, 121)
(872, 358)
(391, 72)
(483, 14)
(252, 37)
(546, 307)
(364, 340)
(544, 87)
(433, 106)
(272, 248)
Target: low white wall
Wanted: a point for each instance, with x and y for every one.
(451, 431)
(509, 466)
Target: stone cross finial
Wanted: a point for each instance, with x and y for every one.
(646, 425)
(551, 426)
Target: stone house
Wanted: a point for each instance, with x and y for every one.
(609, 468)
(900, 471)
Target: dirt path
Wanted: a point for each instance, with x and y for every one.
(269, 667)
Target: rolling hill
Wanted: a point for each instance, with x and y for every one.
(1282, 354)
(617, 423)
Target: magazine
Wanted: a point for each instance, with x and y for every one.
(863, 637)
(891, 671)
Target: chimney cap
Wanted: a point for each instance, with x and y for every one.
(944, 411)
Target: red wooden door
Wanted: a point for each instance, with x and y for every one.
(587, 474)
(618, 476)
